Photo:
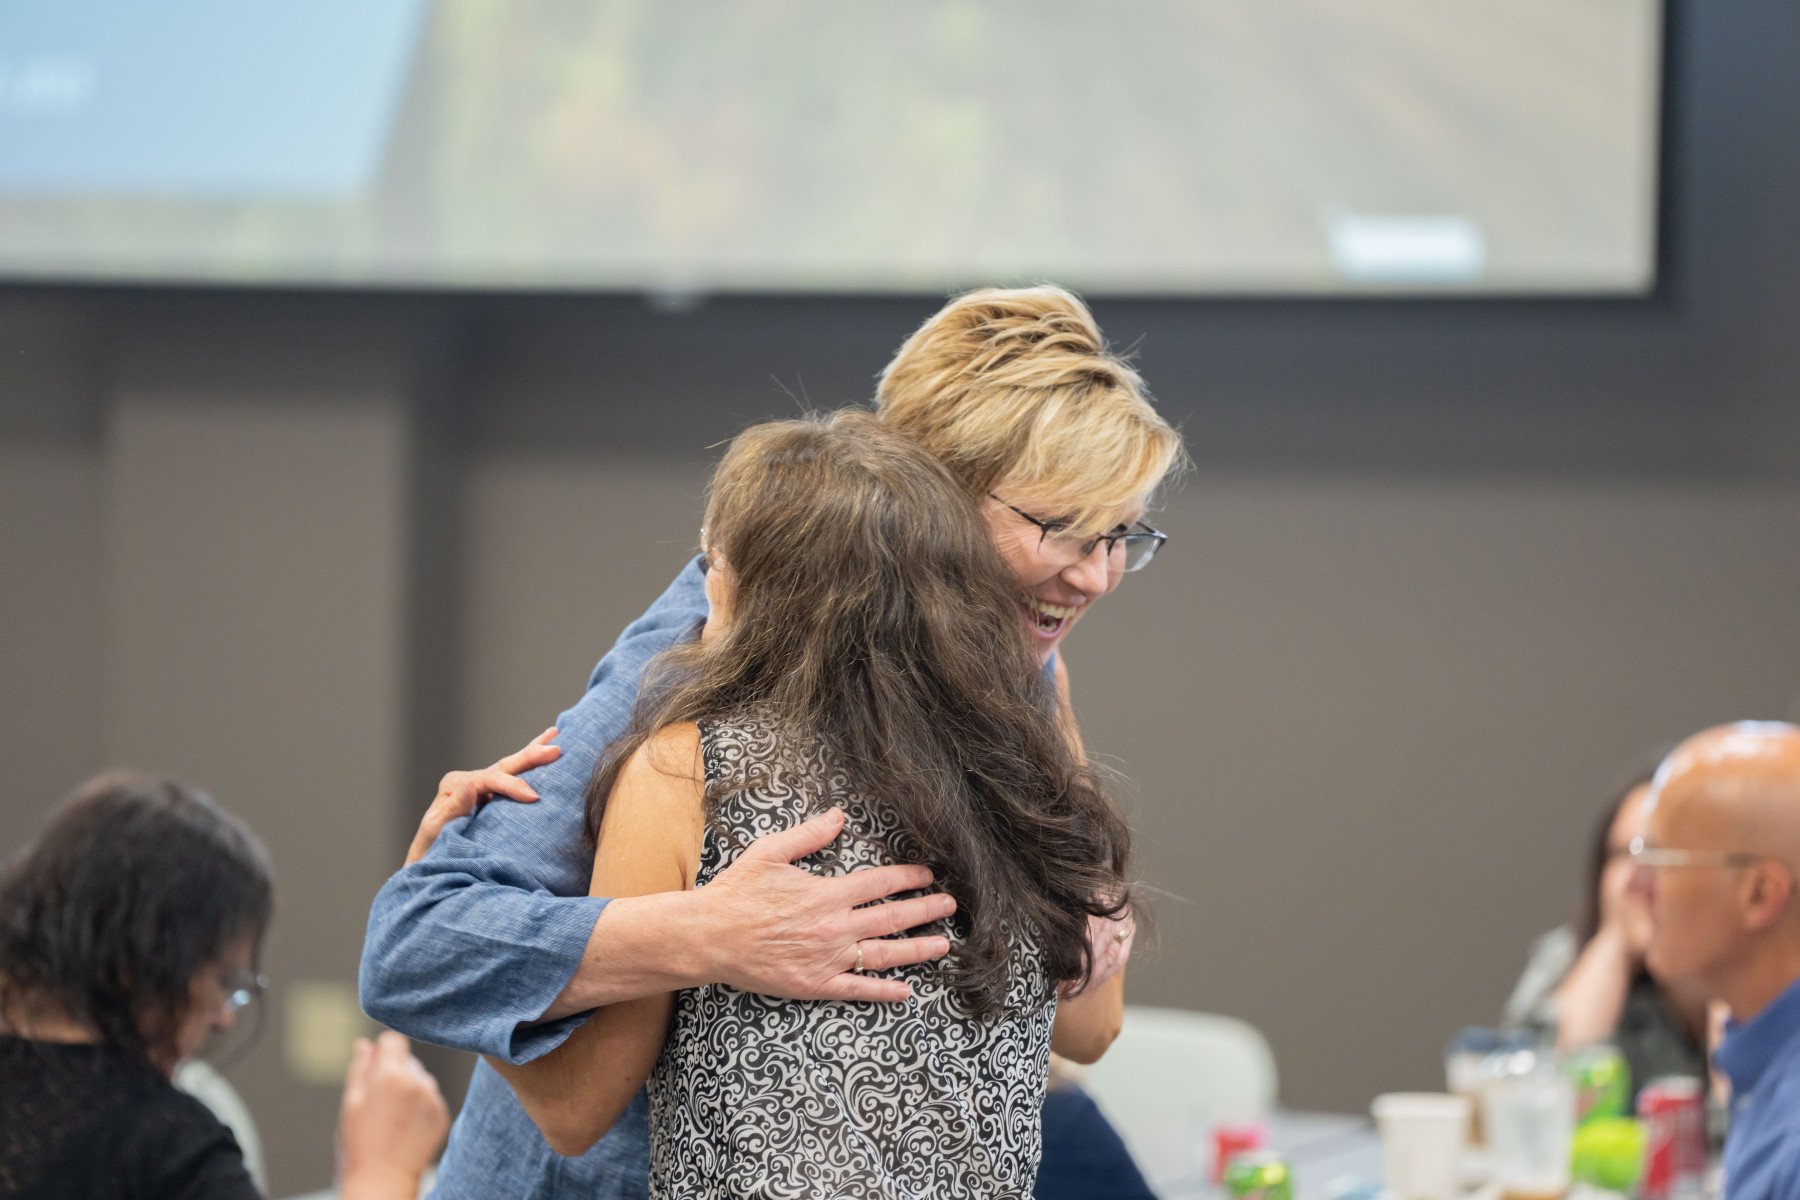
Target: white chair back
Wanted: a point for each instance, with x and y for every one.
(1170, 1075)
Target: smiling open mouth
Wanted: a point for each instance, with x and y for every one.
(1047, 620)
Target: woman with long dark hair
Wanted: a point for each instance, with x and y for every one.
(864, 652)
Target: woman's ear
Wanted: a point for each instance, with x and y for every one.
(721, 589)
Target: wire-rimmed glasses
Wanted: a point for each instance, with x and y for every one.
(1655, 857)
(1128, 548)
(244, 988)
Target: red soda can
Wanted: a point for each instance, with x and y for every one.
(1231, 1139)
(1673, 1112)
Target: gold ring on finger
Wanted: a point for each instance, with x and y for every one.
(859, 959)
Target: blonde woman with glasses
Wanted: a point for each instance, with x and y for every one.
(489, 940)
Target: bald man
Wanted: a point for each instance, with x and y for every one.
(1718, 862)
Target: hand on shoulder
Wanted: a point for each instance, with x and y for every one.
(462, 792)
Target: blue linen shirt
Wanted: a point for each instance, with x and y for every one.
(470, 943)
(1761, 1056)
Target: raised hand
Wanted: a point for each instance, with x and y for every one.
(1109, 942)
(392, 1123)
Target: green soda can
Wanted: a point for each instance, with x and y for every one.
(1602, 1083)
(1259, 1175)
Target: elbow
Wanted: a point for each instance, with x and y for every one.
(570, 1142)
(402, 976)
(569, 1122)
(1090, 1050)
(387, 990)
(568, 1130)
(373, 1002)
(1088, 1043)
(1105, 1037)
(389, 1004)
(1114, 1026)
(380, 1001)
(1083, 1053)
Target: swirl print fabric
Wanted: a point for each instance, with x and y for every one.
(759, 1097)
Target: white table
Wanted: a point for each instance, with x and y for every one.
(1333, 1156)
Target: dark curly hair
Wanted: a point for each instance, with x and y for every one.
(1599, 851)
(134, 885)
(873, 612)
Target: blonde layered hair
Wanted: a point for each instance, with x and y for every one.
(871, 612)
(1017, 387)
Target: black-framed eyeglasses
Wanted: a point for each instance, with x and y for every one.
(1128, 548)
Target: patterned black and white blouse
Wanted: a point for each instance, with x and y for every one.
(759, 1097)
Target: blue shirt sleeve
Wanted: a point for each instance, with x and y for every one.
(477, 938)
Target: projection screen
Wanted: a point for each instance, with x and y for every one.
(1164, 147)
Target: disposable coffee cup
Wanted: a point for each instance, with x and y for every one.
(1422, 1135)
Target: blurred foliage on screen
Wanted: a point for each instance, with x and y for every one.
(1174, 146)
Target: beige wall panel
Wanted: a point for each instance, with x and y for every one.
(49, 629)
(254, 648)
(561, 556)
(1370, 727)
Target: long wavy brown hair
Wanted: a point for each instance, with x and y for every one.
(873, 612)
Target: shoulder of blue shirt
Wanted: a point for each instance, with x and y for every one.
(468, 946)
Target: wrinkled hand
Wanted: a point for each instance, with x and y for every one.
(392, 1123)
(1625, 915)
(782, 931)
(1110, 951)
(461, 792)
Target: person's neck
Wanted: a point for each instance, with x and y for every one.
(1762, 978)
(38, 1019)
(1689, 1004)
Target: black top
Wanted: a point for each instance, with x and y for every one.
(1653, 1039)
(87, 1121)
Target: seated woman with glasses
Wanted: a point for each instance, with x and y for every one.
(129, 933)
(1587, 982)
(863, 652)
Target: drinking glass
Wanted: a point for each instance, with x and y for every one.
(1528, 1111)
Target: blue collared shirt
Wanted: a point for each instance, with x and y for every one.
(476, 939)
(1762, 1058)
